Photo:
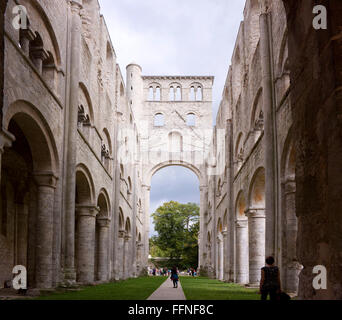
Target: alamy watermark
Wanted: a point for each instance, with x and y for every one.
(320, 281)
(20, 21)
(20, 279)
(321, 19)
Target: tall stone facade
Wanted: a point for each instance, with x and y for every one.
(78, 148)
(68, 209)
(252, 203)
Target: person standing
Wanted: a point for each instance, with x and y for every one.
(174, 277)
(270, 280)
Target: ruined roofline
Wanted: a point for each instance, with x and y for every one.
(179, 77)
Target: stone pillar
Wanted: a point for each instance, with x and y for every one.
(46, 184)
(202, 233)
(85, 250)
(146, 193)
(292, 268)
(242, 251)
(271, 183)
(70, 132)
(127, 264)
(256, 230)
(120, 255)
(22, 233)
(219, 258)
(39, 55)
(102, 270)
(225, 254)
(26, 35)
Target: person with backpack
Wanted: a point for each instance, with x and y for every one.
(270, 281)
(174, 277)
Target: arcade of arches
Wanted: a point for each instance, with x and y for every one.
(78, 149)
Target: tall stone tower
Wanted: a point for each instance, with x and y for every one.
(174, 119)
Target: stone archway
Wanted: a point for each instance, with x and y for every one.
(241, 225)
(256, 226)
(101, 270)
(85, 215)
(290, 265)
(203, 191)
(28, 171)
(220, 252)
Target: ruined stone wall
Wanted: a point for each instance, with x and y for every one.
(315, 68)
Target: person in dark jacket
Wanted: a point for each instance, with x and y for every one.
(174, 277)
(270, 280)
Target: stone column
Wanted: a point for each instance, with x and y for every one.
(292, 267)
(73, 73)
(146, 192)
(225, 253)
(127, 264)
(85, 250)
(219, 258)
(120, 255)
(102, 270)
(256, 230)
(22, 232)
(242, 251)
(271, 183)
(38, 55)
(27, 35)
(46, 184)
(202, 233)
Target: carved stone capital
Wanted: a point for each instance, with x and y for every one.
(225, 233)
(45, 179)
(241, 223)
(127, 237)
(103, 222)
(290, 186)
(6, 139)
(255, 213)
(39, 53)
(76, 6)
(87, 211)
(122, 234)
(27, 34)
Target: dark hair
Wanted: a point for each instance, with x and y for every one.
(269, 260)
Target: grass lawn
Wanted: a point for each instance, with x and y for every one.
(200, 288)
(131, 289)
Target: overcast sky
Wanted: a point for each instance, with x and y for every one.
(175, 37)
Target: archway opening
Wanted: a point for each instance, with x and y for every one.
(174, 219)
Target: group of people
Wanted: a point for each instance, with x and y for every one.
(192, 272)
(160, 272)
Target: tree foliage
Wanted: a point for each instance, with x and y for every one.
(177, 226)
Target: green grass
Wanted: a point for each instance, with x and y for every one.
(208, 289)
(131, 289)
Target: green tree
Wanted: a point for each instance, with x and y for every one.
(177, 226)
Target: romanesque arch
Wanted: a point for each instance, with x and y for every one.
(28, 180)
(219, 252)
(102, 237)
(86, 212)
(256, 225)
(290, 264)
(242, 267)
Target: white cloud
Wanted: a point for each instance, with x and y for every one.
(192, 37)
(178, 37)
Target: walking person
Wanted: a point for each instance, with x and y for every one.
(270, 280)
(174, 277)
